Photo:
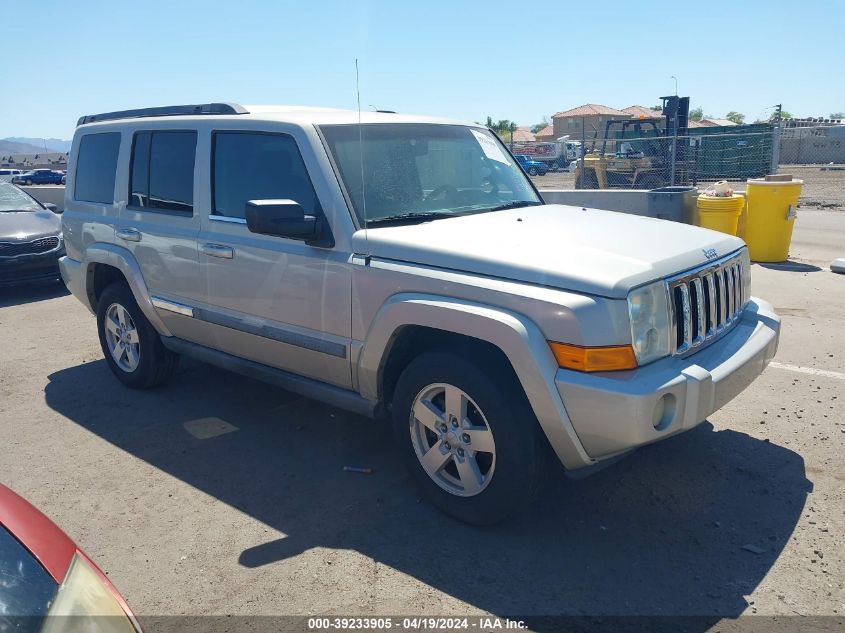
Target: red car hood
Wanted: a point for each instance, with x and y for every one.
(43, 538)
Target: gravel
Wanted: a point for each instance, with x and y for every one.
(218, 495)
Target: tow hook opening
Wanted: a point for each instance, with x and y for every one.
(664, 412)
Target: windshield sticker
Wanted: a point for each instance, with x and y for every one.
(489, 147)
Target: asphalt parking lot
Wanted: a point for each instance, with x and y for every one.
(220, 495)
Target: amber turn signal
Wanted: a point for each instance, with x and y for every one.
(612, 358)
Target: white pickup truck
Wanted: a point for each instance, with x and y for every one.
(404, 266)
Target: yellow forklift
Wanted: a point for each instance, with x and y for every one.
(637, 153)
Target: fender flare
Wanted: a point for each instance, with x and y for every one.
(519, 339)
(123, 259)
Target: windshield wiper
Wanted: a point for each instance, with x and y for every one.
(410, 217)
(516, 204)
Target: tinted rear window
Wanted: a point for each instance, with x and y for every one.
(96, 166)
(163, 170)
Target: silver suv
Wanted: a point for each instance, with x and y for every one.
(405, 266)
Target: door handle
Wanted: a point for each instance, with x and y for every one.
(129, 235)
(218, 250)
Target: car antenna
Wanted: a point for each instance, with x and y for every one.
(361, 158)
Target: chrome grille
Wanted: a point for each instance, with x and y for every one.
(705, 303)
(43, 245)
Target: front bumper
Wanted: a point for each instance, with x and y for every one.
(616, 411)
(30, 268)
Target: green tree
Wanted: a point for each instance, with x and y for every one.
(837, 115)
(539, 126)
(736, 117)
(658, 108)
(696, 114)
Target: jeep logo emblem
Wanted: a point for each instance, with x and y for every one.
(710, 253)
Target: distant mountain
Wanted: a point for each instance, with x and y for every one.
(25, 145)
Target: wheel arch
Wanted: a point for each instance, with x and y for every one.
(409, 341)
(409, 319)
(104, 264)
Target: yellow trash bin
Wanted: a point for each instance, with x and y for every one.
(772, 211)
(720, 213)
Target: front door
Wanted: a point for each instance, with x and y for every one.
(271, 299)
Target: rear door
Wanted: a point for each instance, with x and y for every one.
(159, 225)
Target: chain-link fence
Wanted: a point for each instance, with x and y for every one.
(814, 151)
(641, 156)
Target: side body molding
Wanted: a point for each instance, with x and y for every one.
(125, 262)
(520, 340)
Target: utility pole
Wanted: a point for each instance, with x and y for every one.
(776, 133)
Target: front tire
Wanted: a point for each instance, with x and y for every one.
(132, 347)
(532, 171)
(467, 436)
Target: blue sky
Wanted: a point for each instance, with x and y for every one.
(515, 60)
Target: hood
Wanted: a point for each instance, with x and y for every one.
(25, 226)
(583, 250)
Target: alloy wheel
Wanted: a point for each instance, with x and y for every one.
(452, 440)
(122, 338)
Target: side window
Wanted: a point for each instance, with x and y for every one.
(162, 174)
(96, 166)
(258, 166)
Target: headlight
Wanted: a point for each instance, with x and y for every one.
(90, 603)
(648, 308)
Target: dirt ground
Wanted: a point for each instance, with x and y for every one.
(824, 187)
(219, 495)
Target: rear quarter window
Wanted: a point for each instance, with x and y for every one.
(96, 165)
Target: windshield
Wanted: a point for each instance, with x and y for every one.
(27, 588)
(414, 171)
(13, 199)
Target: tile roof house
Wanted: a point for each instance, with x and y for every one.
(590, 109)
(546, 134)
(717, 122)
(588, 120)
(523, 135)
(44, 159)
(640, 112)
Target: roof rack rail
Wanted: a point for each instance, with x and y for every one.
(174, 110)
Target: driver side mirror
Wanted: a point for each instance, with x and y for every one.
(51, 207)
(285, 218)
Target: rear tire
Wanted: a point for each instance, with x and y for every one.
(480, 469)
(132, 347)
